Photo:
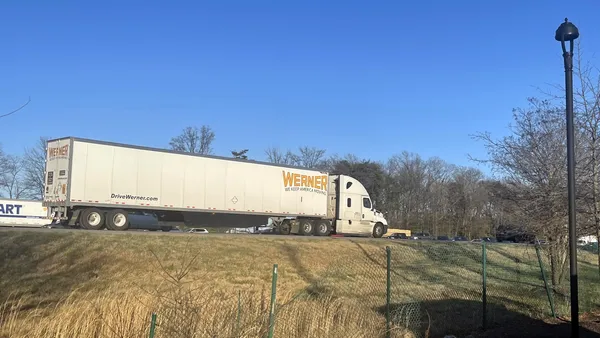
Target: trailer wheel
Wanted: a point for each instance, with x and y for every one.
(92, 219)
(306, 227)
(323, 228)
(117, 220)
(378, 230)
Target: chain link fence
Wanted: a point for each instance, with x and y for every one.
(387, 288)
(589, 278)
(588, 275)
(435, 287)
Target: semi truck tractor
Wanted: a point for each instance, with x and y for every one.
(95, 184)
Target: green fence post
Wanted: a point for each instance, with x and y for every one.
(484, 281)
(388, 291)
(548, 293)
(152, 325)
(239, 313)
(273, 297)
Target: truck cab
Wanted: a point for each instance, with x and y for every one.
(352, 209)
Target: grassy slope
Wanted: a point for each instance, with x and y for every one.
(89, 284)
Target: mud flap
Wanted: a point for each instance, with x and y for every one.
(74, 217)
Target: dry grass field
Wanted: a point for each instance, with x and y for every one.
(82, 284)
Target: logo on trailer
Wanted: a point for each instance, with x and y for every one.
(10, 209)
(299, 182)
(58, 152)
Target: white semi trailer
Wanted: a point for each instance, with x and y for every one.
(94, 184)
(23, 213)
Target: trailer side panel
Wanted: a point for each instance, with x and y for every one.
(130, 177)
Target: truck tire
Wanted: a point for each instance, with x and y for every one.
(92, 219)
(285, 228)
(323, 228)
(166, 228)
(117, 220)
(378, 230)
(306, 227)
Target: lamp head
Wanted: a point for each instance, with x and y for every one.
(566, 31)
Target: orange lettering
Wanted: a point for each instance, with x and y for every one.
(58, 151)
(287, 179)
(296, 180)
(310, 181)
(317, 182)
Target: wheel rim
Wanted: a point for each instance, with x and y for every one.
(119, 220)
(307, 227)
(378, 231)
(94, 219)
(323, 228)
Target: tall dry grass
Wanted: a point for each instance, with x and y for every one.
(127, 315)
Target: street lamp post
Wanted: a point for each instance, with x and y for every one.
(567, 32)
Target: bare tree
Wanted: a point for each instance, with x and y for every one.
(274, 155)
(311, 157)
(438, 176)
(35, 167)
(12, 179)
(4, 168)
(194, 140)
(407, 176)
(587, 114)
(587, 106)
(468, 197)
(533, 161)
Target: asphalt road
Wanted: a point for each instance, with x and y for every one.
(180, 233)
(163, 233)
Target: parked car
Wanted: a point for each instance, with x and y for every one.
(198, 231)
(398, 236)
(422, 235)
(460, 239)
(443, 238)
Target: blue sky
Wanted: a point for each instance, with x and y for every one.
(369, 78)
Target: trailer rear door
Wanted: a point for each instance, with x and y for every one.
(58, 154)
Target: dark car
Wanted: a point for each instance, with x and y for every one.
(460, 239)
(443, 238)
(421, 235)
(398, 236)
